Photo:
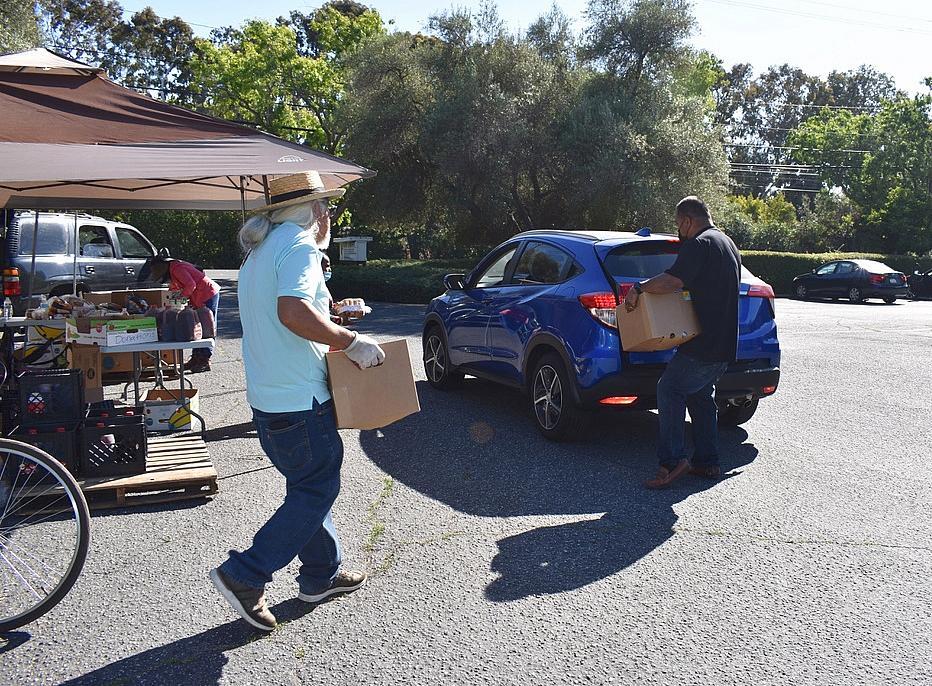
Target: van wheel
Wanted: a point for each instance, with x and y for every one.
(557, 417)
(441, 374)
(735, 415)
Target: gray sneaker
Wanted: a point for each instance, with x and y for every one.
(343, 582)
(249, 602)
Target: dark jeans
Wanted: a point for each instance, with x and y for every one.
(688, 383)
(306, 448)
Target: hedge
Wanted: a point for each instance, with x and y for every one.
(418, 281)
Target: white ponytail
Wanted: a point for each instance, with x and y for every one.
(257, 227)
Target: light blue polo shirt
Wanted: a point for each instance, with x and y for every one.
(284, 372)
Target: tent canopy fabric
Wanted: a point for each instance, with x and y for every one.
(70, 137)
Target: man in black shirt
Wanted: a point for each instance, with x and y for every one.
(709, 267)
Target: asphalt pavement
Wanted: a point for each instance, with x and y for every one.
(497, 557)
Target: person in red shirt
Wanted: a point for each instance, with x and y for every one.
(200, 290)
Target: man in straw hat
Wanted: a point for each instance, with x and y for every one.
(284, 308)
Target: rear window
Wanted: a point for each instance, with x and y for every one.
(641, 260)
(52, 237)
(875, 267)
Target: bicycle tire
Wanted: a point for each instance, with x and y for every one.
(82, 516)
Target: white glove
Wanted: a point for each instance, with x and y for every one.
(365, 352)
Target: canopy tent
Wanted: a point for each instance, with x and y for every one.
(71, 138)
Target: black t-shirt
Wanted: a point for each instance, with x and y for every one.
(709, 265)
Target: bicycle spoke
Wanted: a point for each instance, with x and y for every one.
(23, 552)
(19, 576)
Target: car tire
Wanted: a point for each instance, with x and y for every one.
(555, 413)
(735, 415)
(889, 301)
(801, 291)
(855, 295)
(440, 373)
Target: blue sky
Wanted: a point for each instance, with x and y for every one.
(815, 35)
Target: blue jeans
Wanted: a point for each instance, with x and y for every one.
(214, 305)
(307, 449)
(688, 382)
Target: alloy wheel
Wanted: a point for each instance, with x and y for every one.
(548, 397)
(801, 291)
(435, 359)
(854, 295)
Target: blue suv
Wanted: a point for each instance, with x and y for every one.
(538, 314)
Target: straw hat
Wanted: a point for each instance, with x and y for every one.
(297, 188)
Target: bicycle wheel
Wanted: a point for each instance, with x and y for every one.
(44, 533)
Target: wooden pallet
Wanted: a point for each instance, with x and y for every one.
(177, 468)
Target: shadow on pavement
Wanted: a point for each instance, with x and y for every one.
(477, 451)
(194, 661)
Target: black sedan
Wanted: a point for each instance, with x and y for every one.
(920, 284)
(856, 280)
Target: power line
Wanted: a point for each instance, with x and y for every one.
(767, 146)
(827, 17)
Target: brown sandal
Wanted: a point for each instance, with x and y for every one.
(665, 476)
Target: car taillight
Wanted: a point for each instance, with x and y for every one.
(768, 390)
(601, 306)
(762, 289)
(876, 279)
(11, 286)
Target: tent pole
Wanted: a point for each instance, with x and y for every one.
(74, 273)
(265, 185)
(32, 271)
(242, 195)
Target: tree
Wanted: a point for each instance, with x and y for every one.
(890, 183)
(19, 28)
(257, 76)
(335, 29)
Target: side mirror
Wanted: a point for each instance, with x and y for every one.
(454, 282)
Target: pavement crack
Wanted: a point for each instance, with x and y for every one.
(376, 525)
(796, 541)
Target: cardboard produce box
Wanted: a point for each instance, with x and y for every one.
(376, 397)
(122, 363)
(88, 359)
(155, 297)
(111, 331)
(659, 322)
(169, 410)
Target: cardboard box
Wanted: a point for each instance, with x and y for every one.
(376, 397)
(88, 359)
(155, 297)
(122, 363)
(169, 410)
(659, 322)
(111, 331)
(45, 346)
(98, 297)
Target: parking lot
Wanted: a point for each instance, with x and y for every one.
(497, 557)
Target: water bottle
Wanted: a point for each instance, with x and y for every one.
(7, 308)
(208, 324)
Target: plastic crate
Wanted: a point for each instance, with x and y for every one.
(110, 411)
(50, 397)
(61, 442)
(113, 446)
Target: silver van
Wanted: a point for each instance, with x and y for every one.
(110, 255)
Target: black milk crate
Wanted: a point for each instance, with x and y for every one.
(58, 440)
(113, 446)
(51, 396)
(98, 412)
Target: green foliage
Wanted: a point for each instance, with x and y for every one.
(890, 185)
(404, 281)
(19, 27)
(484, 133)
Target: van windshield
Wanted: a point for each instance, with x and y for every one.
(641, 260)
(52, 238)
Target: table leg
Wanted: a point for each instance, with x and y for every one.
(137, 374)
